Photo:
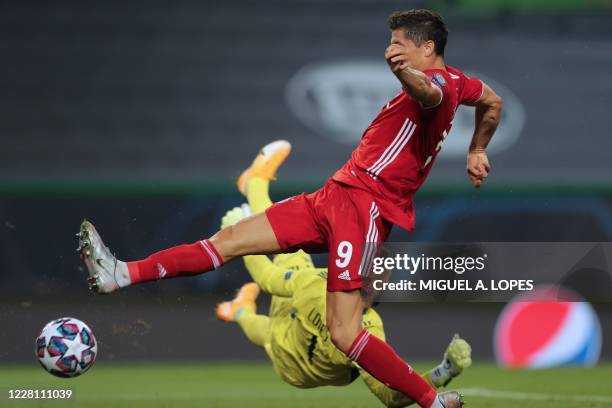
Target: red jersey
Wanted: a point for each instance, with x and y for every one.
(397, 150)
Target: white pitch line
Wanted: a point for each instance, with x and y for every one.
(484, 392)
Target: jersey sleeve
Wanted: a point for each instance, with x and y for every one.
(471, 91)
(269, 277)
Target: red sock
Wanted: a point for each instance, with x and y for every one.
(380, 360)
(180, 260)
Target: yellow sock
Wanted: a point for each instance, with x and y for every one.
(255, 327)
(257, 194)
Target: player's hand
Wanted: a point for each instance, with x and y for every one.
(232, 217)
(459, 354)
(396, 57)
(477, 167)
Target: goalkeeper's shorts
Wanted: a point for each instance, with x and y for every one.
(338, 219)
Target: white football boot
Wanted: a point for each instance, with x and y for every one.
(106, 272)
(448, 399)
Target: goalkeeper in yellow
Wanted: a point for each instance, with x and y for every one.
(294, 334)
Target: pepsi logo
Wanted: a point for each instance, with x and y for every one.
(535, 332)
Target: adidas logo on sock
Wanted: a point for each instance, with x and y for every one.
(161, 270)
(345, 275)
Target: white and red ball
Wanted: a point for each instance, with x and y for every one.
(66, 347)
(535, 331)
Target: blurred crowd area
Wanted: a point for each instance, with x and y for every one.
(183, 92)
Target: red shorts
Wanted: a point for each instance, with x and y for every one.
(341, 220)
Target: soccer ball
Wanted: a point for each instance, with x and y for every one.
(66, 347)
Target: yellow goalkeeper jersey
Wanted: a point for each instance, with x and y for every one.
(301, 351)
(300, 348)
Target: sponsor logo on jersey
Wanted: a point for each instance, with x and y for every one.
(339, 99)
(318, 321)
(345, 275)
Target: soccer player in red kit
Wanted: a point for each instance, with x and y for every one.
(355, 208)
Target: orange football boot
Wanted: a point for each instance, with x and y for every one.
(245, 297)
(269, 159)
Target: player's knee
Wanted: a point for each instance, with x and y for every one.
(341, 336)
(228, 243)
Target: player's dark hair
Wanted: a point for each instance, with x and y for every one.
(421, 25)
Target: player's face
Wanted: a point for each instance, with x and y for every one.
(415, 54)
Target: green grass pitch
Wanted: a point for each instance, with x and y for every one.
(256, 385)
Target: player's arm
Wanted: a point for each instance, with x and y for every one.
(416, 83)
(269, 277)
(487, 116)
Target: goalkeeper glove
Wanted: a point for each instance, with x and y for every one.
(234, 215)
(457, 357)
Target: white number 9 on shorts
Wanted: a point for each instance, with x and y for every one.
(345, 251)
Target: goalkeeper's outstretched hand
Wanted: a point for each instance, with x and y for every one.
(458, 355)
(234, 215)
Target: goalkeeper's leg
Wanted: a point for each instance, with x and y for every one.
(254, 183)
(242, 310)
(258, 194)
(256, 327)
(255, 180)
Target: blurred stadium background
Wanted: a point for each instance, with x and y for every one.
(141, 115)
